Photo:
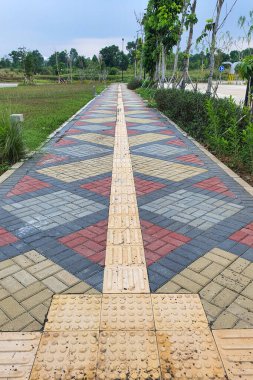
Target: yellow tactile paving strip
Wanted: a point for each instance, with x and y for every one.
(17, 354)
(236, 350)
(125, 267)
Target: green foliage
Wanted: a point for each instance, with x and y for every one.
(218, 123)
(248, 141)
(246, 67)
(134, 84)
(11, 140)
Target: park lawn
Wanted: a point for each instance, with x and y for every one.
(45, 107)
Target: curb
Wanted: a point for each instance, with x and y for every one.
(17, 165)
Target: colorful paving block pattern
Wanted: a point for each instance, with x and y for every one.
(196, 221)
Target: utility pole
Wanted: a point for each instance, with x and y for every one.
(122, 59)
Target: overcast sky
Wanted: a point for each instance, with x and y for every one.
(87, 25)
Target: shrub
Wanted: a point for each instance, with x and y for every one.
(134, 83)
(113, 71)
(11, 141)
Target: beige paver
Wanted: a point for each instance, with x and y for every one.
(132, 353)
(66, 355)
(126, 279)
(72, 312)
(178, 312)
(127, 312)
(17, 353)
(236, 350)
(189, 354)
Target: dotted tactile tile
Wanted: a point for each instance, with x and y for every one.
(126, 279)
(74, 312)
(189, 354)
(163, 169)
(236, 351)
(127, 312)
(17, 353)
(178, 312)
(66, 355)
(79, 170)
(128, 355)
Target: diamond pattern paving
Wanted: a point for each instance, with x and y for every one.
(54, 209)
(95, 138)
(244, 236)
(79, 170)
(215, 184)
(158, 150)
(89, 242)
(146, 138)
(143, 186)
(197, 210)
(162, 169)
(84, 150)
(101, 186)
(27, 185)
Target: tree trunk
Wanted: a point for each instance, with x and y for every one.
(163, 68)
(186, 3)
(188, 48)
(213, 45)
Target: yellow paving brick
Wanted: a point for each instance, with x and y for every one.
(178, 311)
(189, 354)
(124, 255)
(63, 355)
(74, 312)
(123, 279)
(95, 138)
(128, 353)
(17, 353)
(126, 312)
(164, 169)
(235, 348)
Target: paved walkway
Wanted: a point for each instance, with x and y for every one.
(118, 191)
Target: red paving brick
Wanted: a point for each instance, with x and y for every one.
(191, 158)
(158, 241)
(215, 184)
(177, 142)
(89, 242)
(6, 237)
(101, 186)
(51, 159)
(27, 185)
(244, 236)
(63, 142)
(143, 186)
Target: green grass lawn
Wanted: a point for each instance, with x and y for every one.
(45, 107)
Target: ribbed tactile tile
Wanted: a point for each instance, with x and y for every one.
(178, 312)
(17, 353)
(128, 355)
(236, 351)
(74, 312)
(127, 312)
(66, 355)
(189, 354)
(123, 279)
(126, 255)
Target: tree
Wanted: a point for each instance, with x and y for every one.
(131, 48)
(247, 26)
(182, 22)
(161, 27)
(246, 71)
(110, 55)
(191, 21)
(123, 61)
(29, 66)
(38, 61)
(18, 57)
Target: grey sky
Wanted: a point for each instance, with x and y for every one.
(87, 25)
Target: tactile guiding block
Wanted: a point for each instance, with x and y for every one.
(189, 354)
(236, 351)
(128, 355)
(127, 312)
(17, 353)
(74, 312)
(178, 312)
(66, 355)
(126, 255)
(123, 279)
